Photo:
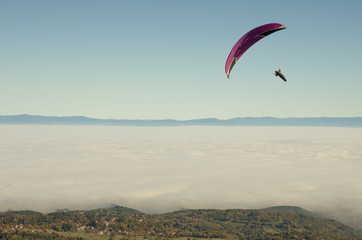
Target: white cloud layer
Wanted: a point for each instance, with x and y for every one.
(159, 169)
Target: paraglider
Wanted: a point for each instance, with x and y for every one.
(248, 40)
(280, 74)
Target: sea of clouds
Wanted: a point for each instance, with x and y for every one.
(161, 169)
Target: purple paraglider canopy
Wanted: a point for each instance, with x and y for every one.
(246, 41)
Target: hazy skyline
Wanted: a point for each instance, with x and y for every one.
(159, 169)
(165, 59)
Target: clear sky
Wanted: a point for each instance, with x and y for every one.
(165, 59)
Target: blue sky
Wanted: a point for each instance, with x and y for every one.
(165, 59)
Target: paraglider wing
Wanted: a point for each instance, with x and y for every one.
(248, 40)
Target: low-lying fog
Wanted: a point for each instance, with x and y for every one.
(160, 169)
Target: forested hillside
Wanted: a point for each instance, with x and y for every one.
(125, 223)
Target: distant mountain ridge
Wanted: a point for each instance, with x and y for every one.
(239, 121)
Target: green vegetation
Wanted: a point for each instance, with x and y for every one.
(125, 223)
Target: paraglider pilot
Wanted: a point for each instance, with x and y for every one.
(280, 74)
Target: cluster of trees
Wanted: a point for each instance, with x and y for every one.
(124, 223)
